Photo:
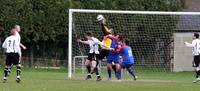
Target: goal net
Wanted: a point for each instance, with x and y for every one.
(151, 36)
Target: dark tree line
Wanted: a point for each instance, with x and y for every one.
(44, 22)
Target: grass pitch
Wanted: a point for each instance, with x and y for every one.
(55, 80)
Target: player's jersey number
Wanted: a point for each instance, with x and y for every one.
(10, 42)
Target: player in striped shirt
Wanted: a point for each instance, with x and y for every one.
(17, 29)
(93, 56)
(196, 52)
(12, 47)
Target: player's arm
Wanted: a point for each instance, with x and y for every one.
(190, 44)
(103, 25)
(110, 49)
(118, 49)
(104, 29)
(111, 37)
(4, 45)
(102, 44)
(84, 42)
(24, 47)
(98, 42)
(104, 47)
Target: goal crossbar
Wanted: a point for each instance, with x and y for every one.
(133, 12)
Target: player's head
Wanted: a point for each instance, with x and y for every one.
(196, 36)
(117, 35)
(88, 35)
(120, 38)
(17, 28)
(12, 31)
(126, 42)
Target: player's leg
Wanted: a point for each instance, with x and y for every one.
(118, 67)
(97, 72)
(109, 69)
(118, 71)
(88, 66)
(130, 70)
(109, 66)
(17, 62)
(196, 68)
(114, 68)
(18, 70)
(95, 64)
(105, 53)
(9, 70)
(5, 73)
(8, 65)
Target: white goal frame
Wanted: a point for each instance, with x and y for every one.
(70, 22)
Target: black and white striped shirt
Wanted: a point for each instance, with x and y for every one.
(94, 45)
(195, 46)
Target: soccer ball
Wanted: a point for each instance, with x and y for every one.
(100, 18)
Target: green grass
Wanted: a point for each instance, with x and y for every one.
(55, 80)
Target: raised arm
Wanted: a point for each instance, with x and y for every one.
(190, 44)
(103, 26)
(84, 42)
(104, 29)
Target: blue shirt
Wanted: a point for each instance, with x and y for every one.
(127, 55)
(112, 55)
(114, 43)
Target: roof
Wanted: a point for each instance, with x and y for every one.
(188, 22)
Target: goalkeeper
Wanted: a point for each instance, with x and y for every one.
(106, 40)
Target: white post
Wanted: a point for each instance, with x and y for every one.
(82, 65)
(70, 45)
(74, 64)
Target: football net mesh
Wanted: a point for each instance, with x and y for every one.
(150, 35)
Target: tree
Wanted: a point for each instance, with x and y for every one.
(44, 22)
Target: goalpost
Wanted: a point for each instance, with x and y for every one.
(151, 34)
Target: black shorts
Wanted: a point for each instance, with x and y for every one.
(93, 57)
(104, 53)
(196, 61)
(12, 59)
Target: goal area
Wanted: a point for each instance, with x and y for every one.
(157, 38)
